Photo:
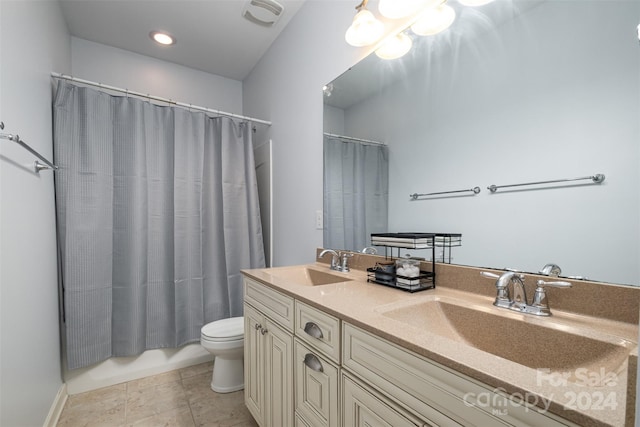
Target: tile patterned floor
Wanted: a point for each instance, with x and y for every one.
(181, 398)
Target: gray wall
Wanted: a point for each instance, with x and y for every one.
(286, 88)
(128, 70)
(34, 41)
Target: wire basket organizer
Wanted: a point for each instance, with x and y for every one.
(422, 241)
(425, 280)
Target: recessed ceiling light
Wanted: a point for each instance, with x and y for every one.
(162, 38)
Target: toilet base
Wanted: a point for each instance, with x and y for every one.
(228, 375)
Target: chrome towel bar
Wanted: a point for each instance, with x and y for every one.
(415, 196)
(37, 165)
(596, 179)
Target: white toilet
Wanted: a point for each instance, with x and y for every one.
(225, 340)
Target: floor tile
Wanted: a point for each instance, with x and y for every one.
(180, 417)
(152, 381)
(180, 398)
(191, 371)
(155, 400)
(104, 407)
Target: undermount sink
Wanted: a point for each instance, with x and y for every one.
(528, 343)
(307, 276)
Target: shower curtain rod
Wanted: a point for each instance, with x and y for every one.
(350, 138)
(157, 98)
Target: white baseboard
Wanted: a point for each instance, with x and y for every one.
(122, 369)
(56, 407)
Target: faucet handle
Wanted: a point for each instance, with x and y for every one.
(540, 303)
(489, 275)
(345, 260)
(554, 284)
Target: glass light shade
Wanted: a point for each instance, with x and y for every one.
(395, 9)
(395, 47)
(434, 20)
(365, 29)
(474, 2)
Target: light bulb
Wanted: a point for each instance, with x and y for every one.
(395, 9)
(365, 29)
(434, 20)
(474, 2)
(395, 47)
(162, 38)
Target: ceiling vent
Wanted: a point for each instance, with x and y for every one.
(263, 12)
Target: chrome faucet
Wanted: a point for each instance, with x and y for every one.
(539, 305)
(551, 269)
(339, 260)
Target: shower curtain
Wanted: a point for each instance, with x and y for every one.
(157, 212)
(356, 193)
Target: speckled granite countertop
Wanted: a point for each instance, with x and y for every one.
(595, 394)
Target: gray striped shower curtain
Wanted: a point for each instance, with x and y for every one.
(157, 212)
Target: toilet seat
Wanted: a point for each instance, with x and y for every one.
(223, 330)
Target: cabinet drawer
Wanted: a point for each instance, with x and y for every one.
(318, 329)
(316, 389)
(273, 304)
(432, 391)
(361, 407)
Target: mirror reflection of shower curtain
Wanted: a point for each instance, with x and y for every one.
(356, 193)
(157, 212)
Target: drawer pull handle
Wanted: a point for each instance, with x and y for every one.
(314, 330)
(313, 362)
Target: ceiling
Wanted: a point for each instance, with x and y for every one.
(212, 35)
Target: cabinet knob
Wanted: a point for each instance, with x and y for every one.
(313, 363)
(263, 331)
(313, 330)
(257, 326)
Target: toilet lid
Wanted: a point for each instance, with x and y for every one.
(224, 329)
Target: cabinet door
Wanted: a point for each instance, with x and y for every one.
(316, 389)
(278, 370)
(361, 408)
(254, 364)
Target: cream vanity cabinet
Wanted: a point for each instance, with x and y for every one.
(268, 352)
(317, 367)
(307, 368)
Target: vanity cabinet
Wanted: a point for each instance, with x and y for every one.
(434, 393)
(308, 368)
(363, 407)
(268, 355)
(316, 387)
(317, 366)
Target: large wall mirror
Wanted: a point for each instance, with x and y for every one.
(514, 92)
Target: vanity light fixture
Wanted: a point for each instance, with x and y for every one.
(395, 47)
(434, 20)
(395, 9)
(366, 29)
(162, 37)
